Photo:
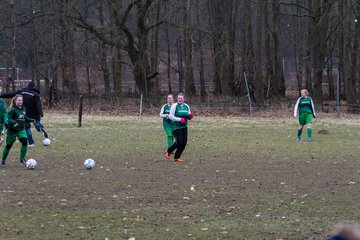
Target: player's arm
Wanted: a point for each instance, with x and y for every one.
(313, 108)
(162, 114)
(190, 115)
(296, 107)
(9, 94)
(172, 114)
(4, 113)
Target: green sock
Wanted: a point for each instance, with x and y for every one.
(5, 153)
(299, 132)
(170, 140)
(23, 150)
(309, 132)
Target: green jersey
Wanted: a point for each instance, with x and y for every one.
(3, 112)
(304, 105)
(177, 112)
(17, 118)
(165, 110)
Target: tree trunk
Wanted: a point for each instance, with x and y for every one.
(259, 88)
(33, 49)
(279, 80)
(154, 58)
(201, 59)
(180, 65)
(114, 8)
(13, 47)
(68, 67)
(189, 76)
(168, 48)
(103, 56)
(222, 22)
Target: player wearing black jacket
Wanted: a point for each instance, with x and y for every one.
(32, 103)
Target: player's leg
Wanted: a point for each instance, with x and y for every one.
(169, 136)
(299, 132)
(174, 146)
(1, 132)
(10, 139)
(309, 126)
(301, 126)
(29, 135)
(181, 144)
(24, 145)
(40, 128)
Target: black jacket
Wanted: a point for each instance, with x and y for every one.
(32, 101)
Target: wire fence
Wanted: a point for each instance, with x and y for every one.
(136, 105)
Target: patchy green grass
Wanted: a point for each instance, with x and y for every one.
(244, 178)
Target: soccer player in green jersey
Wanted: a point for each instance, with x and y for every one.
(16, 128)
(180, 114)
(167, 124)
(3, 118)
(305, 107)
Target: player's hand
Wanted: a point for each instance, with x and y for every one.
(183, 120)
(191, 116)
(167, 116)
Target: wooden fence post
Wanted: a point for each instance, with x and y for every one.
(80, 110)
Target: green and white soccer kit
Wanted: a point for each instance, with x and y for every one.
(306, 110)
(167, 124)
(16, 129)
(177, 112)
(3, 115)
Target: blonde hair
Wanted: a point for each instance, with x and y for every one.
(305, 91)
(13, 100)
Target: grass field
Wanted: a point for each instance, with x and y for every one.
(244, 178)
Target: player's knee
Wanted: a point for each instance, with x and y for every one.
(23, 141)
(182, 144)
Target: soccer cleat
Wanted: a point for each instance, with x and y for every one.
(310, 139)
(298, 139)
(167, 155)
(31, 145)
(45, 134)
(178, 160)
(2, 163)
(23, 162)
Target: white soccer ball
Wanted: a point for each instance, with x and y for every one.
(31, 164)
(89, 164)
(46, 142)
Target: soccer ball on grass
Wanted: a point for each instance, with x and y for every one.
(46, 142)
(31, 164)
(89, 164)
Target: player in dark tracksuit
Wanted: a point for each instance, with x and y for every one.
(32, 103)
(180, 114)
